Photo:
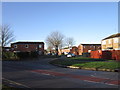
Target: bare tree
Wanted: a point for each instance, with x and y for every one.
(49, 49)
(69, 42)
(6, 35)
(55, 39)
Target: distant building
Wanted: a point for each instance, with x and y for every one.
(28, 47)
(6, 49)
(64, 51)
(74, 50)
(111, 43)
(83, 48)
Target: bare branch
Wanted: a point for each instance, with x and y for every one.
(6, 35)
(55, 39)
(69, 42)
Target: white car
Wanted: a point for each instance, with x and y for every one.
(71, 55)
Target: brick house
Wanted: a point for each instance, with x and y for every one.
(65, 51)
(28, 47)
(83, 48)
(6, 49)
(111, 43)
(74, 50)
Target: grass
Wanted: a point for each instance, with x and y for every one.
(85, 58)
(88, 63)
(99, 65)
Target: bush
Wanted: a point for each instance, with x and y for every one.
(9, 55)
(23, 55)
(33, 54)
(86, 54)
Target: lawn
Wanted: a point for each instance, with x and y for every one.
(86, 59)
(99, 65)
(83, 62)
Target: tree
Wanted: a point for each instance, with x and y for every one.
(55, 39)
(6, 35)
(69, 42)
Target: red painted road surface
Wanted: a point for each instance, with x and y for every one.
(81, 77)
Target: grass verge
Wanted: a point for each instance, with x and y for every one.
(99, 65)
(83, 62)
(86, 59)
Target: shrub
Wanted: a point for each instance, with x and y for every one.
(22, 54)
(33, 54)
(86, 54)
(9, 55)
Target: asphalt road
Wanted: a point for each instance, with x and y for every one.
(41, 74)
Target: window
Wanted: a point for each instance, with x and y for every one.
(115, 40)
(91, 46)
(15, 46)
(26, 46)
(40, 46)
(109, 41)
(104, 42)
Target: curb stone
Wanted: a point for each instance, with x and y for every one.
(73, 67)
(94, 69)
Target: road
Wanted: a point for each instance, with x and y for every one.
(41, 74)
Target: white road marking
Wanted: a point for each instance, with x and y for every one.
(13, 82)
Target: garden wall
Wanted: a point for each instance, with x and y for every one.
(109, 54)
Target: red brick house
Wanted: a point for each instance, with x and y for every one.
(65, 51)
(28, 47)
(74, 50)
(83, 48)
(6, 49)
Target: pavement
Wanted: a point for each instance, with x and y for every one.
(40, 74)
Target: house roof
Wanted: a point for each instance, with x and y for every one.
(6, 47)
(28, 43)
(90, 44)
(112, 36)
(74, 47)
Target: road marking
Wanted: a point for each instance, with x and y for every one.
(15, 83)
(81, 77)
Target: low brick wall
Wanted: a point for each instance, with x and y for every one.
(118, 55)
(95, 54)
(109, 54)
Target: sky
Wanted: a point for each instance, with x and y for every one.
(86, 22)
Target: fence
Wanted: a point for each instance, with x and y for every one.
(109, 54)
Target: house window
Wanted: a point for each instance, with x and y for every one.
(26, 46)
(109, 41)
(40, 46)
(104, 42)
(115, 40)
(91, 46)
(15, 46)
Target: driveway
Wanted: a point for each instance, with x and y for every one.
(40, 74)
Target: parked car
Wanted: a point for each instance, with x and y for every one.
(70, 55)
